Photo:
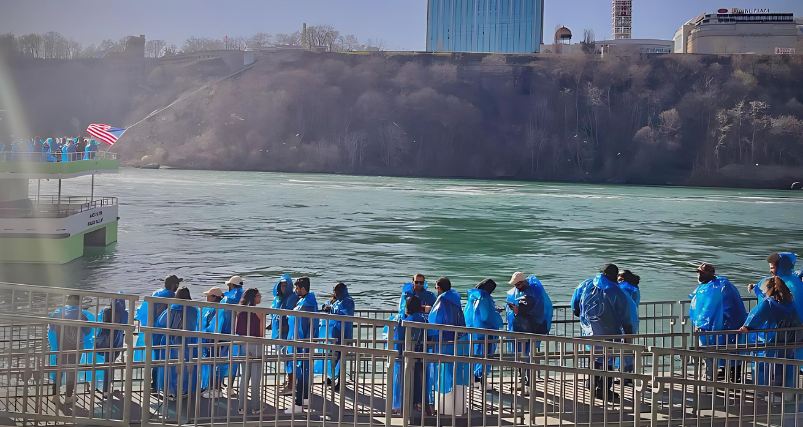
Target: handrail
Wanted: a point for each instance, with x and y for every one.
(41, 156)
(16, 287)
(58, 208)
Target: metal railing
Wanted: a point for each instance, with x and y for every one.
(52, 157)
(49, 206)
(202, 377)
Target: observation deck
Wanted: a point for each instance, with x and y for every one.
(54, 228)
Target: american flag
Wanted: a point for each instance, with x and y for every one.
(105, 133)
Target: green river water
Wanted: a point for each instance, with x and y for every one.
(374, 233)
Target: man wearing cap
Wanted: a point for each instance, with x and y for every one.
(716, 306)
(302, 329)
(145, 318)
(209, 324)
(541, 308)
(603, 309)
(233, 296)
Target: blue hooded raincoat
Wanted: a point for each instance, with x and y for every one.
(142, 316)
(603, 307)
(717, 306)
(770, 314)
(336, 330)
(785, 270)
(480, 312)
(448, 310)
(71, 337)
(183, 318)
(303, 329)
(417, 335)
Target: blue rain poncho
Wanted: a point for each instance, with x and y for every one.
(480, 312)
(448, 310)
(427, 298)
(542, 310)
(302, 329)
(634, 293)
(283, 299)
(770, 314)
(717, 306)
(109, 338)
(68, 154)
(335, 330)
(417, 337)
(143, 317)
(785, 270)
(90, 150)
(232, 297)
(72, 338)
(49, 148)
(603, 308)
(183, 318)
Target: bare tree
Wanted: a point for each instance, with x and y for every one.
(155, 48)
(237, 43)
(354, 143)
(322, 35)
(260, 41)
(375, 44)
(589, 42)
(291, 39)
(390, 138)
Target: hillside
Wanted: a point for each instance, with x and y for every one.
(651, 120)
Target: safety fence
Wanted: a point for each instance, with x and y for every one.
(178, 374)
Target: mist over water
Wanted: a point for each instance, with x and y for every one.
(374, 233)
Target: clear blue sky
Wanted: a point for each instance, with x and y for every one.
(400, 23)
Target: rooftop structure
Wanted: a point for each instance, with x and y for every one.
(500, 26)
(740, 31)
(622, 19)
(633, 46)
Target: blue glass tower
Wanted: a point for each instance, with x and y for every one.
(499, 26)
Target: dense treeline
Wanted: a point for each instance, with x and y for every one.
(53, 45)
(619, 119)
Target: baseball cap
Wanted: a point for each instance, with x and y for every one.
(235, 280)
(173, 280)
(708, 268)
(214, 292)
(517, 277)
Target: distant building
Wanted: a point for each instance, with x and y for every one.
(622, 19)
(562, 44)
(498, 26)
(739, 31)
(633, 46)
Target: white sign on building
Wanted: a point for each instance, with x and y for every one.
(784, 51)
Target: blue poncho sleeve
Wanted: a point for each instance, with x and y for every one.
(706, 310)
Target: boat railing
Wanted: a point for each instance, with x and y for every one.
(527, 379)
(48, 157)
(52, 206)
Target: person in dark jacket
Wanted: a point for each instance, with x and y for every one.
(110, 338)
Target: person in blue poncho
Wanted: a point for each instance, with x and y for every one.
(68, 154)
(233, 297)
(782, 264)
(481, 312)
(90, 150)
(775, 311)
(110, 338)
(184, 318)
(68, 338)
(448, 310)
(302, 329)
(209, 379)
(716, 305)
(284, 298)
(541, 311)
(603, 309)
(147, 317)
(38, 148)
(49, 148)
(629, 283)
(417, 287)
(341, 304)
(412, 314)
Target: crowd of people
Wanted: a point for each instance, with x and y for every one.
(606, 305)
(36, 149)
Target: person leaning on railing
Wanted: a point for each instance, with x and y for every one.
(250, 325)
(413, 313)
(183, 318)
(775, 311)
(110, 338)
(302, 329)
(340, 304)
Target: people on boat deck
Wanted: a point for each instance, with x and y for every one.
(148, 317)
(302, 329)
(603, 309)
(775, 311)
(90, 150)
(481, 312)
(340, 304)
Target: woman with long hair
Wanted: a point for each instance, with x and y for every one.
(250, 324)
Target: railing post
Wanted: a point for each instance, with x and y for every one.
(128, 377)
(638, 386)
(657, 387)
(146, 378)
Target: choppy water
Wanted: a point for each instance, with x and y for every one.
(374, 233)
